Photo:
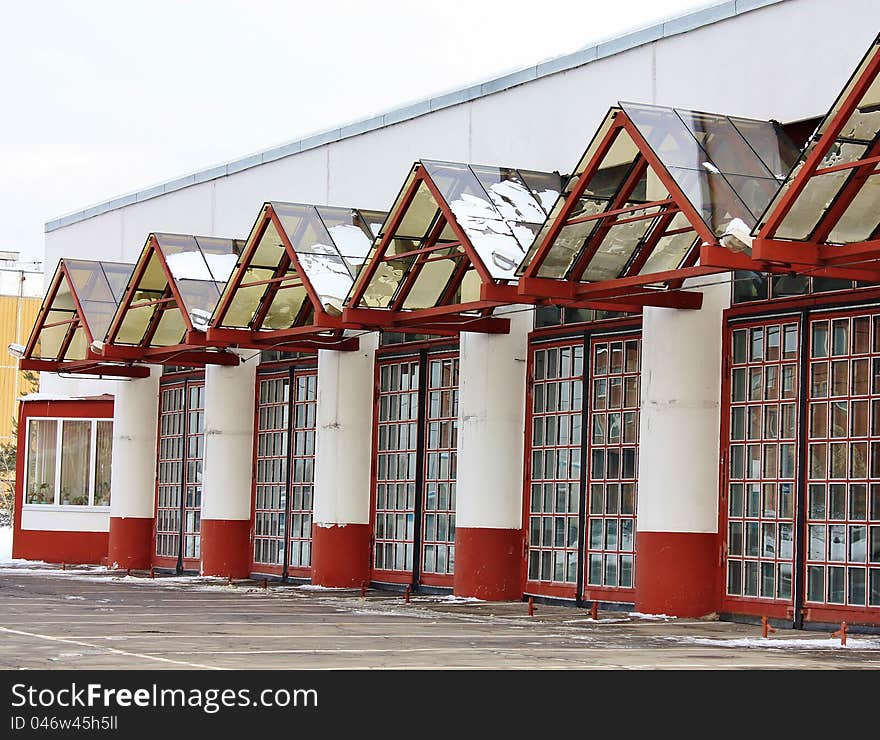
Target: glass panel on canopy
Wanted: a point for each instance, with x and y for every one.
(813, 215)
(499, 210)
(197, 269)
(97, 288)
(330, 244)
(620, 219)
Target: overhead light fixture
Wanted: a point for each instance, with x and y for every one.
(16, 350)
(97, 347)
(737, 237)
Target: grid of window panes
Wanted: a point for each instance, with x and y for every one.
(84, 449)
(441, 439)
(302, 466)
(555, 467)
(843, 462)
(613, 470)
(172, 416)
(270, 505)
(762, 467)
(398, 414)
(195, 451)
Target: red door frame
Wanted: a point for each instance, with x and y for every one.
(837, 304)
(568, 336)
(274, 371)
(185, 381)
(422, 354)
(758, 606)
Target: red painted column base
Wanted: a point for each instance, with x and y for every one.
(226, 547)
(341, 555)
(85, 548)
(131, 542)
(488, 563)
(677, 573)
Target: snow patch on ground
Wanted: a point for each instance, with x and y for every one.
(639, 615)
(827, 643)
(315, 587)
(6, 547)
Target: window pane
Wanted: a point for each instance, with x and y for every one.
(103, 453)
(75, 464)
(41, 461)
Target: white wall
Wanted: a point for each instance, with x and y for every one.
(786, 61)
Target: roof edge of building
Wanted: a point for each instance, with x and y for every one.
(692, 21)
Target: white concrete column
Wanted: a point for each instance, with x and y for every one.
(343, 464)
(228, 466)
(133, 470)
(489, 484)
(679, 448)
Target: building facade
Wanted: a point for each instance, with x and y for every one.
(642, 378)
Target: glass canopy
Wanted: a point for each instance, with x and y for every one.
(832, 195)
(79, 305)
(653, 185)
(298, 259)
(452, 227)
(177, 277)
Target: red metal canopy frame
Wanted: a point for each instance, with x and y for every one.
(193, 351)
(818, 254)
(314, 327)
(451, 315)
(631, 290)
(92, 363)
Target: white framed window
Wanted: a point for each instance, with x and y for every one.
(68, 462)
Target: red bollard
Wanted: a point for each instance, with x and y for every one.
(766, 629)
(63, 566)
(594, 610)
(229, 580)
(128, 572)
(841, 633)
(264, 584)
(531, 607)
(152, 572)
(406, 595)
(363, 589)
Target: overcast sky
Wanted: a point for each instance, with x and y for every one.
(101, 97)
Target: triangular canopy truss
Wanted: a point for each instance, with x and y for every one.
(826, 218)
(82, 297)
(172, 292)
(655, 187)
(454, 236)
(290, 281)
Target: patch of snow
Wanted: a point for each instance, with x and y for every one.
(221, 265)
(640, 615)
(329, 277)
(6, 545)
(315, 587)
(828, 643)
(188, 266)
(515, 202)
(351, 241)
(548, 199)
(75, 598)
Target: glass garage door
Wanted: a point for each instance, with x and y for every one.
(843, 466)
(762, 429)
(415, 470)
(612, 471)
(581, 468)
(836, 487)
(179, 476)
(284, 481)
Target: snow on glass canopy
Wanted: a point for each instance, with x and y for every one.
(98, 288)
(329, 244)
(626, 219)
(197, 269)
(499, 210)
